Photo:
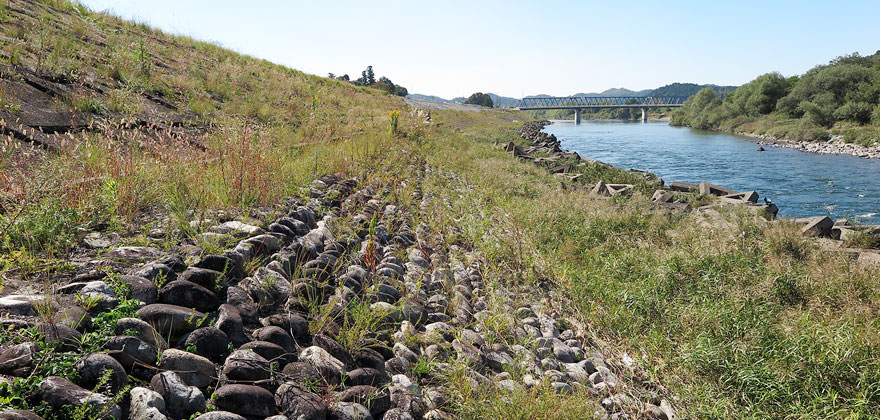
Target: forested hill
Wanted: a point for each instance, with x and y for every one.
(688, 89)
(674, 89)
(835, 99)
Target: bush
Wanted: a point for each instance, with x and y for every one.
(480, 99)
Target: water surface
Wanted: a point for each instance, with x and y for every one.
(801, 184)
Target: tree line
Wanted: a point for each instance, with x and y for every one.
(841, 94)
(368, 78)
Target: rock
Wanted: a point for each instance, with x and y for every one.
(561, 387)
(330, 367)
(276, 335)
(303, 373)
(246, 400)
(600, 189)
(662, 196)
(435, 397)
(171, 320)
(293, 324)
(438, 330)
(683, 187)
(349, 411)
(193, 369)
(369, 358)
(209, 342)
(189, 295)
(498, 360)
(220, 264)
(229, 321)
(204, 277)
(818, 226)
(548, 327)
(138, 328)
(91, 372)
(74, 317)
(508, 385)
(238, 228)
(404, 352)
(333, 347)
(59, 392)
(146, 404)
(397, 365)
(562, 352)
(133, 253)
(220, 415)
(142, 289)
(617, 402)
(158, 273)
(18, 359)
(246, 366)
(397, 414)
(297, 403)
(375, 399)
(270, 351)
(131, 352)
(437, 414)
(366, 376)
(59, 334)
(181, 400)
(620, 189)
(653, 412)
(603, 375)
(19, 305)
(19, 415)
(706, 188)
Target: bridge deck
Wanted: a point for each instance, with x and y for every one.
(581, 102)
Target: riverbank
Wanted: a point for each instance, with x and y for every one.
(710, 298)
(833, 146)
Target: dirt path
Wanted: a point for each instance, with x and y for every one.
(417, 103)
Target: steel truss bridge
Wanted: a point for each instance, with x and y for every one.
(578, 103)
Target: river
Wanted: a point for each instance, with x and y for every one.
(801, 184)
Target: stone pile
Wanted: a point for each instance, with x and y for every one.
(337, 310)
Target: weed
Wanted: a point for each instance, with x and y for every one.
(393, 118)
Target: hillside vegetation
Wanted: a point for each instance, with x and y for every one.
(841, 98)
(118, 132)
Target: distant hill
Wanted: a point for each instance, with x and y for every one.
(687, 89)
(615, 92)
(504, 101)
(674, 89)
(429, 98)
(498, 100)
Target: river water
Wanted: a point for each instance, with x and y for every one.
(801, 184)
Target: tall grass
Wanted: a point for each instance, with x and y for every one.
(742, 318)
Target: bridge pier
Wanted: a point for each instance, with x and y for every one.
(577, 117)
(644, 115)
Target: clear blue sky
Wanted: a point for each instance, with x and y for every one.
(516, 48)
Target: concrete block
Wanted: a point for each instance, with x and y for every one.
(683, 186)
(818, 226)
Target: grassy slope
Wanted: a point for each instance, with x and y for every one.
(262, 130)
(740, 318)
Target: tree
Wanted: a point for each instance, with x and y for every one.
(480, 99)
(368, 78)
(757, 97)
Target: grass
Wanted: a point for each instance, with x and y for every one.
(738, 317)
(741, 317)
